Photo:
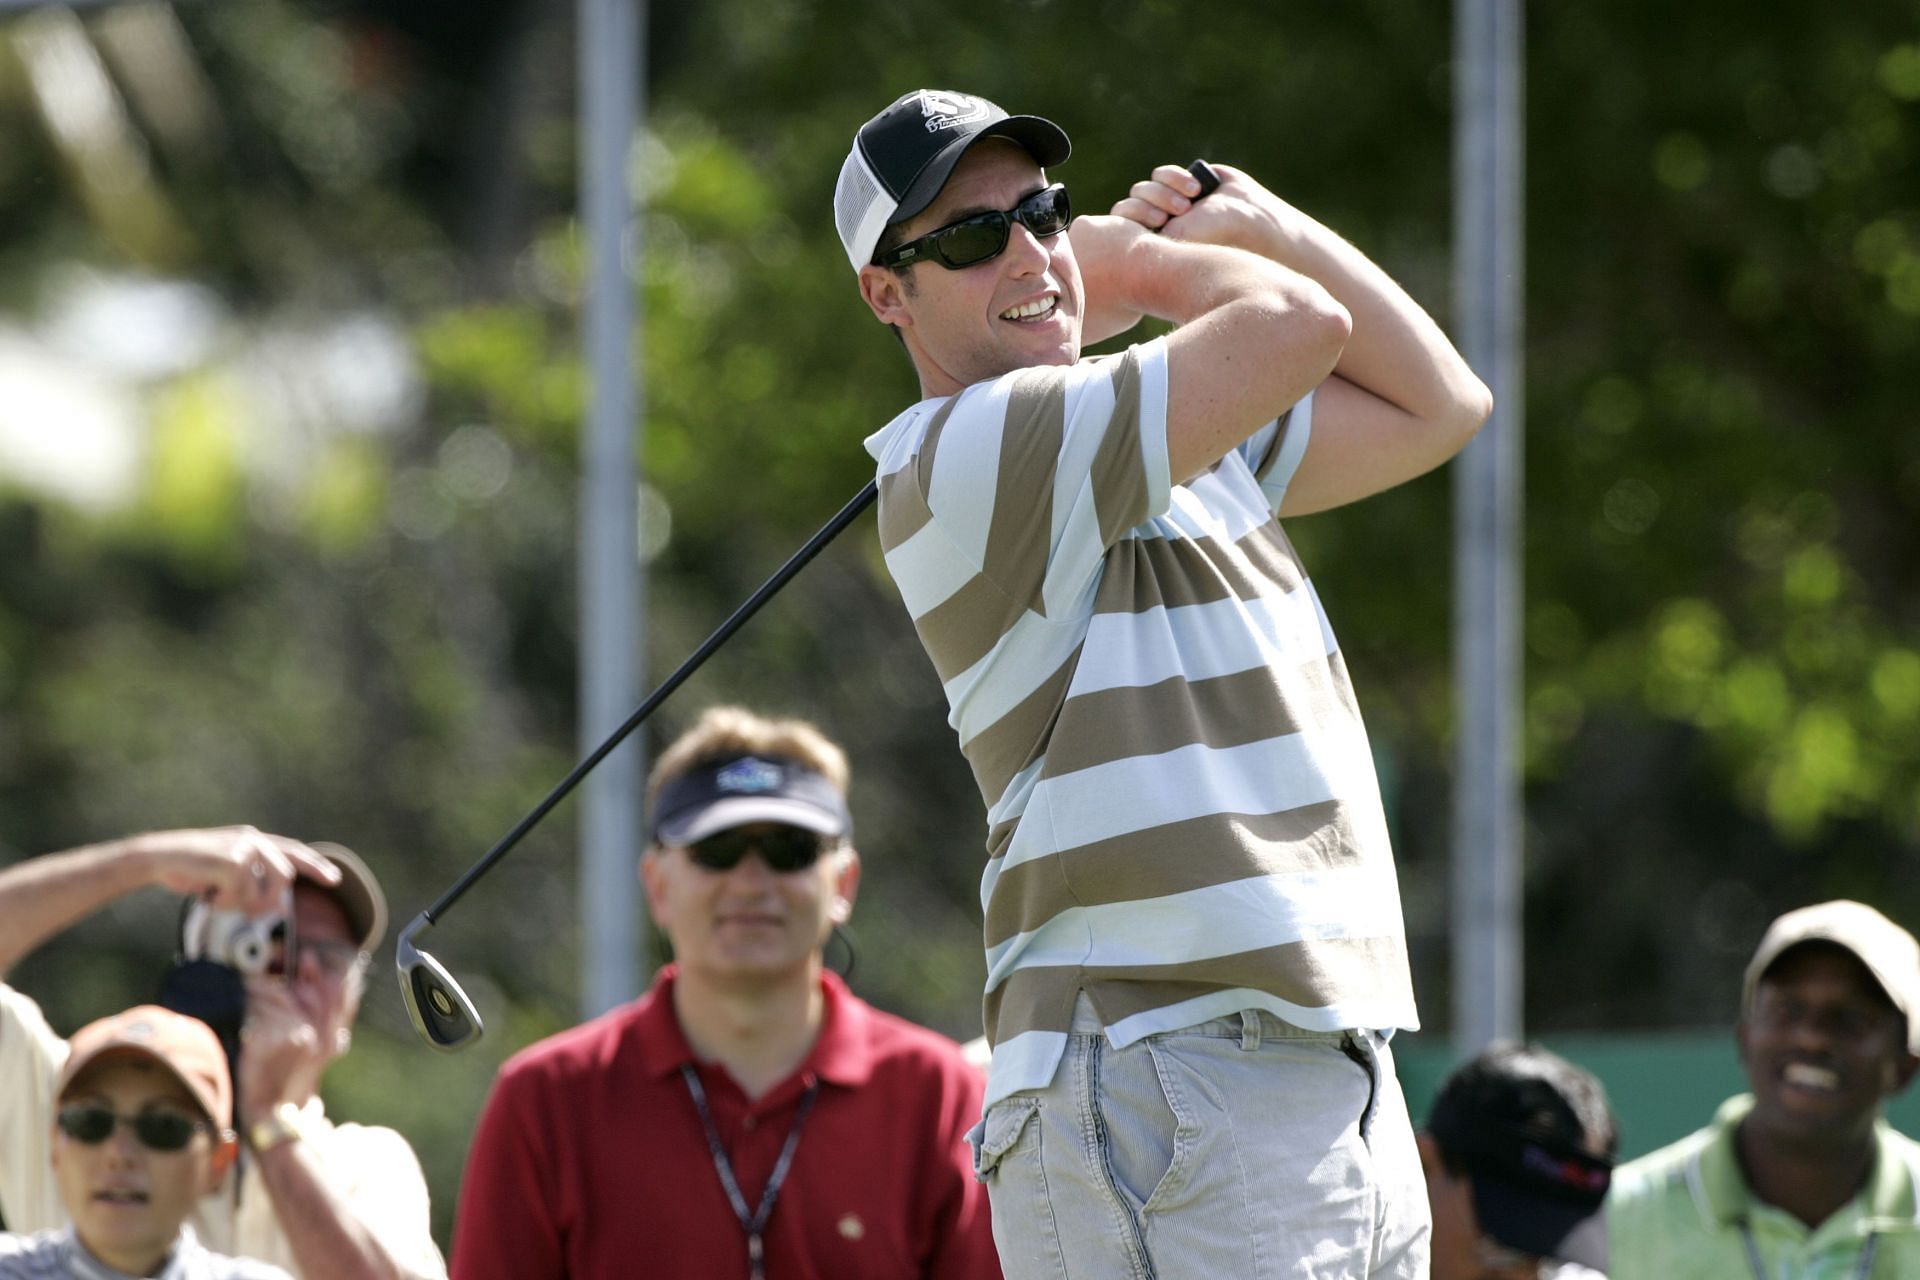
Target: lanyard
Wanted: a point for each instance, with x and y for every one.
(753, 1223)
(1862, 1269)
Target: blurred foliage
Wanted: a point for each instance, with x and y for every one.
(371, 639)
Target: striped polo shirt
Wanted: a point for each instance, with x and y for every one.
(1183, 818)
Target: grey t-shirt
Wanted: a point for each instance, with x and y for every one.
(58, 1255)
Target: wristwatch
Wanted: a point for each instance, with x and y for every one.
(282, 1124)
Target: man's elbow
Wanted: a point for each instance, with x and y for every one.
(1476, 406)
(1467, 410)
(1320, 323)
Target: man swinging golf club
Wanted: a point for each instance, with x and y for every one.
(1193, 931)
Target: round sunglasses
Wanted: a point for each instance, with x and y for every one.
(783, 849)
(982, 237)
(158, 1129)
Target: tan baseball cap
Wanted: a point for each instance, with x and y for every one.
(185, 1046)
(358, 893)
(1889, 952)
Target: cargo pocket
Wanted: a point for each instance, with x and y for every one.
(1008, 1124)
(1006, 1157)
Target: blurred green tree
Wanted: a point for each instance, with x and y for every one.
(357, 623)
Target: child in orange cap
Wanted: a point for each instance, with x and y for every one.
(144, 1129)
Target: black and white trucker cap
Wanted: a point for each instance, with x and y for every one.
(901, 159)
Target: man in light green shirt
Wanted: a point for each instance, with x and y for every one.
(1802, 1179)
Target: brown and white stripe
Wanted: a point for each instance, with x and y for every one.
(1183, 815)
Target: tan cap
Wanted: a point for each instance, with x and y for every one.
(185, 1046)
(1889, 952)
(358, 894)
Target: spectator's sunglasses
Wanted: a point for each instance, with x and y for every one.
(159, 1129)
(983, 236)
(783, 849)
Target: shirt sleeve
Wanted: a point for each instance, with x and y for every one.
(507, 1227)
(1031, 477)
(31, 1056)
(388, 1195)
(1274, 451)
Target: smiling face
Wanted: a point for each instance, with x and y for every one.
(127, 1202)
(749, 924)
(1822, 1047)
(1019, 309)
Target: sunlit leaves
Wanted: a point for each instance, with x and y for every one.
(1899, 72)
(194, 482)
(509, 363)
(346, 496)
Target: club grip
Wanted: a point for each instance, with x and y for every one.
(1207, 175)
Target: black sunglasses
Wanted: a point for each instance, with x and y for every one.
(783, 849)
(158, 1130)
(984, 235)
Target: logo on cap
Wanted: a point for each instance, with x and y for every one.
(1592, 1176)
(946, 110)
(748, 775)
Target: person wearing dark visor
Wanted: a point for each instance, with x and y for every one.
(749, 1116)
(1518, 1152)
(1801, 1179)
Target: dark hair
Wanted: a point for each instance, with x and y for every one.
(1528, 1088)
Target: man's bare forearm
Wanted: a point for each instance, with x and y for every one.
(1396, 350)
(1254, 337)
(239, 868)
(44, 896)
(326, 1239)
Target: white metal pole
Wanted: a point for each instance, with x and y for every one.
(1489, 260)
(611, 57)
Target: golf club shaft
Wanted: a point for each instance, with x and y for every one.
(861, 501)
(1209, 179)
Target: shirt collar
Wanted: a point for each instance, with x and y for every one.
(87, 1267)
(1892, 1200)
(882, 441)
(842, 1055)
(1888, 1202)
(1719, 1189)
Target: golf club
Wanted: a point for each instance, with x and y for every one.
(441, 1012)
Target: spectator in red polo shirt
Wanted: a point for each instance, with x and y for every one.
(748, 1116)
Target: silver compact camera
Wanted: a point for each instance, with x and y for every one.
(249, 944)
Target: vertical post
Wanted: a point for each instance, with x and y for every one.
(611, 55)
(1489, 260)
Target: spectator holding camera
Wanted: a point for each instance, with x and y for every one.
(317, 1198)
(144, 1128)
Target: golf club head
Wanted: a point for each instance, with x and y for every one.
(440, 1010)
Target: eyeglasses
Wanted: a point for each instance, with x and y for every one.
(984, 235)
(158, 1129)
(783, 849)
